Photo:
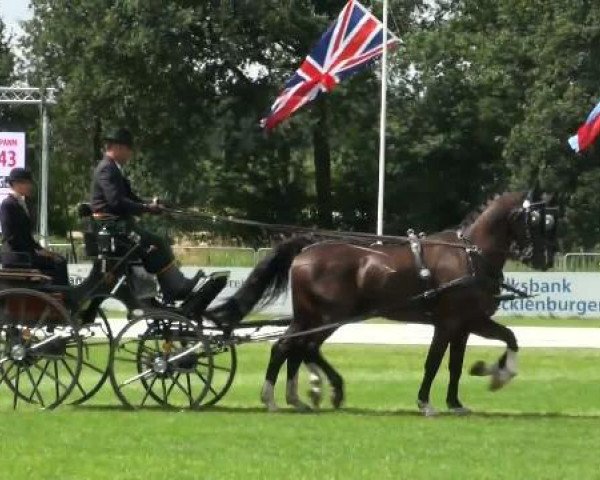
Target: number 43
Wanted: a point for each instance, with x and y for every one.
(8, 158)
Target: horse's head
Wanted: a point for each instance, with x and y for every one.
(533, 226)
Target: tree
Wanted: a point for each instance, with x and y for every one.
(7, 59)
(193, 79)
(483, 95)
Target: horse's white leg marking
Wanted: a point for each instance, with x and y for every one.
(316, 383)
(460, 411)
(291, 394)
(427, 409)
(502, 375)
(511, 361)
(267, 396)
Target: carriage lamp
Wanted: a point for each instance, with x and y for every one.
(105, 240)
(18, 352)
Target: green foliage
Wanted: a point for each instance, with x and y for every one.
(7, 60)
(482, 98)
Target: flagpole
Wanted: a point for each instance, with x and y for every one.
(382, 121)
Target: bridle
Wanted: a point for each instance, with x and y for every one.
(539, 220)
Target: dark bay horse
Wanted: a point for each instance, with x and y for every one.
(450, 281)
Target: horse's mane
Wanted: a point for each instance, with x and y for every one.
(474, 214)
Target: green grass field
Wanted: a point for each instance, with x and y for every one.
(545, 425)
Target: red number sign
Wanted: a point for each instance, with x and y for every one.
(8, 158)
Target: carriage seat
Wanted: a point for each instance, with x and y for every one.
(84, 210)
(112, 226)
(31, 275)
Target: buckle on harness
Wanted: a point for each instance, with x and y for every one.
(415, 247)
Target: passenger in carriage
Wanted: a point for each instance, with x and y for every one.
(19, 247)
(111, 194)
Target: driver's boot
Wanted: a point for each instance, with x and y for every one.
(175, 285)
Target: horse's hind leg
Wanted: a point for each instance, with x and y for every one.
(437, 349)
(316, 384)
(505, 369)
(314, 356)
(458, 346)
(294, 361)
(279, 354)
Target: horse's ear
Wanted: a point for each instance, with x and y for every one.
(549, 198)
(534, 194)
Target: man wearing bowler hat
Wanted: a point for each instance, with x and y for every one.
(19, 248)
(112, 195)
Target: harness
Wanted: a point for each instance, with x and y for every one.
(480, 274)
(417, 251)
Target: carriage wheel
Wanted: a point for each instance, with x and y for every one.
(40, 348)
(224, 367)
(161, 358)
(97, 339)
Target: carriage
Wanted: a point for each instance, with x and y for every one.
(57, 343)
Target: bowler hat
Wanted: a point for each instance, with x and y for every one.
(19, 175)
(121, 136)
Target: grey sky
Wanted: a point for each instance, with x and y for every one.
(12, 12)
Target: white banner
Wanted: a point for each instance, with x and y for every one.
(12, 155)
(557, 294)
(566, 294)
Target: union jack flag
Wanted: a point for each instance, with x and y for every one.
(351, 42)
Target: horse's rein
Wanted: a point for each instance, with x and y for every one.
(283, 228)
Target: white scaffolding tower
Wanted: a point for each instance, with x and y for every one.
(41, 97)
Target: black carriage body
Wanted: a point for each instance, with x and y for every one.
(47, 333)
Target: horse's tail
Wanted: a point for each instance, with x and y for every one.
(270, 277)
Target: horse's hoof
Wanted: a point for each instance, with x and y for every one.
(316, 396)
(478, 369)
(272, 407)
(337, 399)
(427, 409)
(300, 406)
(500, 378)
(460, 411)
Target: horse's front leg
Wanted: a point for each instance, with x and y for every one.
(437, 349)
(505, 369)
(458, 346)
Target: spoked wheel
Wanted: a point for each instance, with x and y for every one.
(163, 359)
(224, 366)
(97, 340)
(40, 348)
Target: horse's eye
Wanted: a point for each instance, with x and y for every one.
(535, 217)
(550, 222)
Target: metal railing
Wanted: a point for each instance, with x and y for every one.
(581, 262)
(66, 251)
(216, 256)
(205, 256)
